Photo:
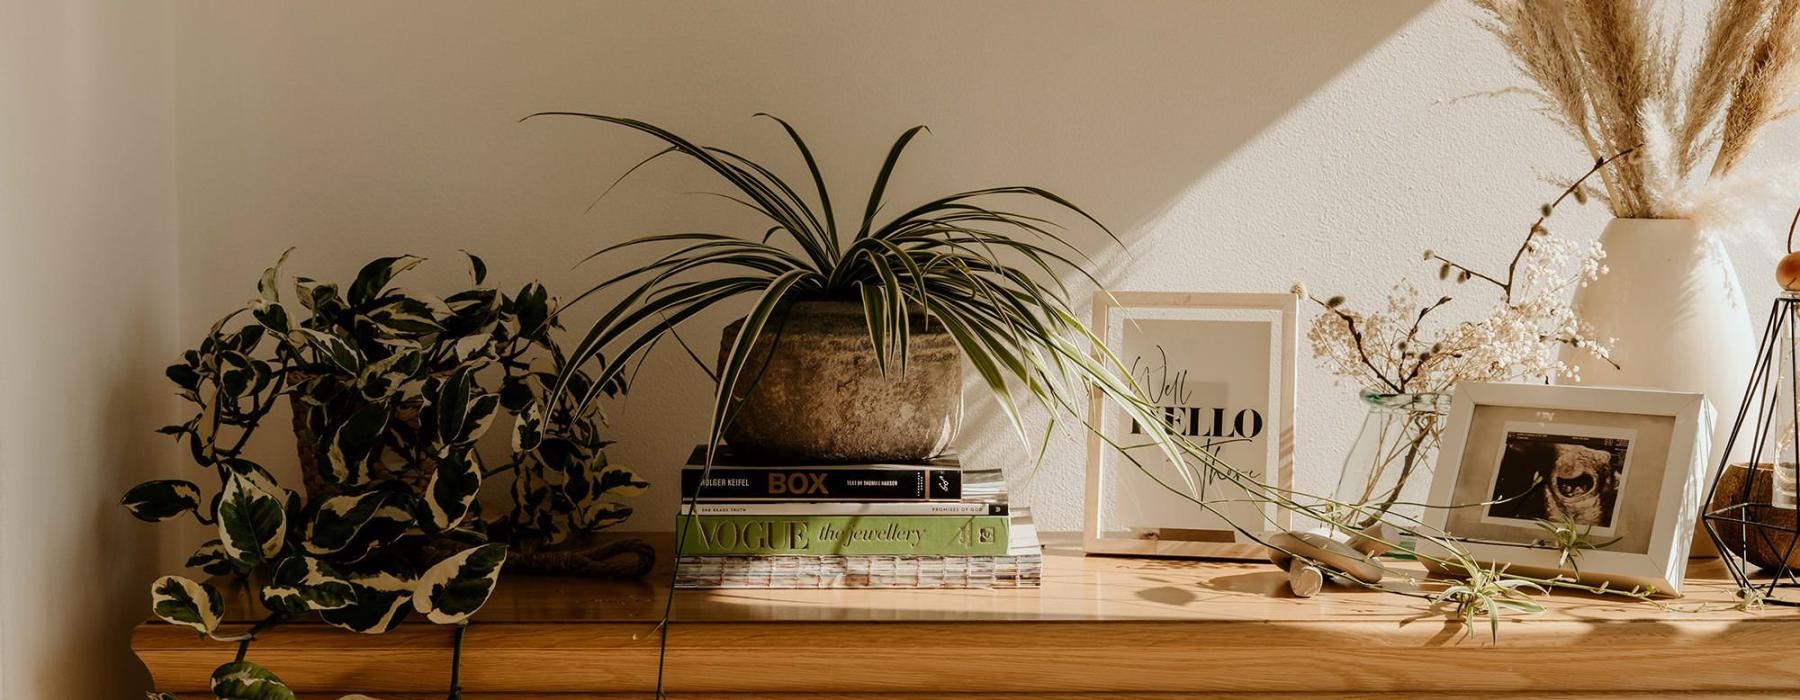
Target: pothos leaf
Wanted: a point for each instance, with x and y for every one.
(617, 481)
(355, 442)
(399, 316)
(376, 275)
(381, 602)
(334, 350)
(252, 521)
(179, 600)
(153, 695)
(337, 520)
(449, 405)
(528, 429)
(533, 304)
(598, 515)
(265, 287)
(477, 268)
(156, 501)
(275, 318)
(300, 584)
(245, 680)
(478, 418)
(449, 592)
(315, 295)
(451, 493)
(212, 559)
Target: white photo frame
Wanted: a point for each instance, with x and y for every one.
(1627, 465)
(1223, 363)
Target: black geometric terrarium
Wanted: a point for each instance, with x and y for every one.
(1750, 511)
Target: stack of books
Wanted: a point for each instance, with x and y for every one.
(925, 525)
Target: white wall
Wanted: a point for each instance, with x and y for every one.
(88, 277)
(1236, 146)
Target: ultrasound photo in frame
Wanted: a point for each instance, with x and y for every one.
(1624, 467)
(1221, 368)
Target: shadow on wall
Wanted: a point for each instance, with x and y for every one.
(335, 121)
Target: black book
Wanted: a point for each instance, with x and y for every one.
(733, 480)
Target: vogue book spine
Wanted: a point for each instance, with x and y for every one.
(708, 507)
(751, 535)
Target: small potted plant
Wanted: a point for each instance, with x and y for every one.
(391, 390)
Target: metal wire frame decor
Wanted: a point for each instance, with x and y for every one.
(1757, 535)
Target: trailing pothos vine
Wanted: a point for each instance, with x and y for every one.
(391, 390)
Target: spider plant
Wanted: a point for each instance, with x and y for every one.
(988, 275)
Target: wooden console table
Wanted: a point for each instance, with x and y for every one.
(1100, 627)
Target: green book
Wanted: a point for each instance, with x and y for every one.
(924, 535)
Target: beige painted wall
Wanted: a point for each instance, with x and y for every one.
(1236, 146)
(87, 215)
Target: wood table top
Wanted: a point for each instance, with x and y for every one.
(1098, 625)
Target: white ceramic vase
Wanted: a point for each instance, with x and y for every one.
(1671, 301)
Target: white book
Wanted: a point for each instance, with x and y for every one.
(848, 508)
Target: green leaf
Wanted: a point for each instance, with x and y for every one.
(478, 418)
(384, 377)
(252, 521)
(355, 443)
(274, 318)
(212, 558)
(375, 276)
(881, 178)
(334, 350)
(183, 376)
(532, 306)
(341, 522)
(300, 584)
(616, 481)
(452, 491)
(179, 600)
(477, 268)
(528, 428)
(266, 286)
(316, 296)
(400, 316)
(449, 405)
(382, 601)
(153, 695)
(245, 680)
(449, 592)
(156, 501)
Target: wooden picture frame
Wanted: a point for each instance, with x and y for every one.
(1633, 460)
(1221, 364)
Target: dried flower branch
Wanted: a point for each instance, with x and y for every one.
(1388, 350)
(1605, 71)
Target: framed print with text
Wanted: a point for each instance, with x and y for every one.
(1220, 366)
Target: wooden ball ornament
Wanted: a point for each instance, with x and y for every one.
(1787, 272)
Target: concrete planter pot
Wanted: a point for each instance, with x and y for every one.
(811, 391)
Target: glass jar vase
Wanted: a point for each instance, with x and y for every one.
(1389, 467)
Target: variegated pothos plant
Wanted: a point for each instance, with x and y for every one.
(392, 391)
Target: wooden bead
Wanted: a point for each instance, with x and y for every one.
(1787, 272)
(1306, 581)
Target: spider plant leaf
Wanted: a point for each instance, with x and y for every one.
(874, 310)
(757, 191)
(666, 310)
(881, 179)
(816, 230)
(818, 179)
(983, 362)
(732, 369)
(628, 172)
